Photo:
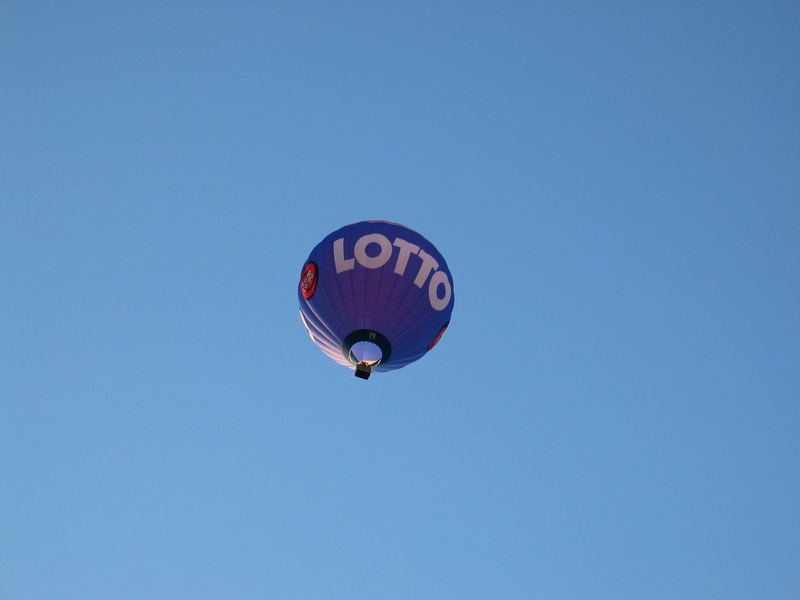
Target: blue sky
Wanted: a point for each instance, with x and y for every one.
(614, 412)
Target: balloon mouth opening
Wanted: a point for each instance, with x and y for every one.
(366, 348)
(366, 353)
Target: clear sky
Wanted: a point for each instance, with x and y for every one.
(614, 412)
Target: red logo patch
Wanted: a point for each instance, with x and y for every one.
(438, 336)
(308, 280)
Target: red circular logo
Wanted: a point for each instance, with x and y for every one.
(438, 336)
(308, 280)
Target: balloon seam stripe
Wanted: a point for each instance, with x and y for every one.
(328, 329)
(333, 304)
(321, 335)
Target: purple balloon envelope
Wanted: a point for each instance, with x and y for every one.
(375, 296)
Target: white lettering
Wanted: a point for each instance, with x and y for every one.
(439, 279)
(406, 249)
(428, 264)
(373, 262)
(342, 264)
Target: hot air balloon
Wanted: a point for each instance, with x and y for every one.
(375, 296)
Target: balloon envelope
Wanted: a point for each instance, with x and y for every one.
(375, 295)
